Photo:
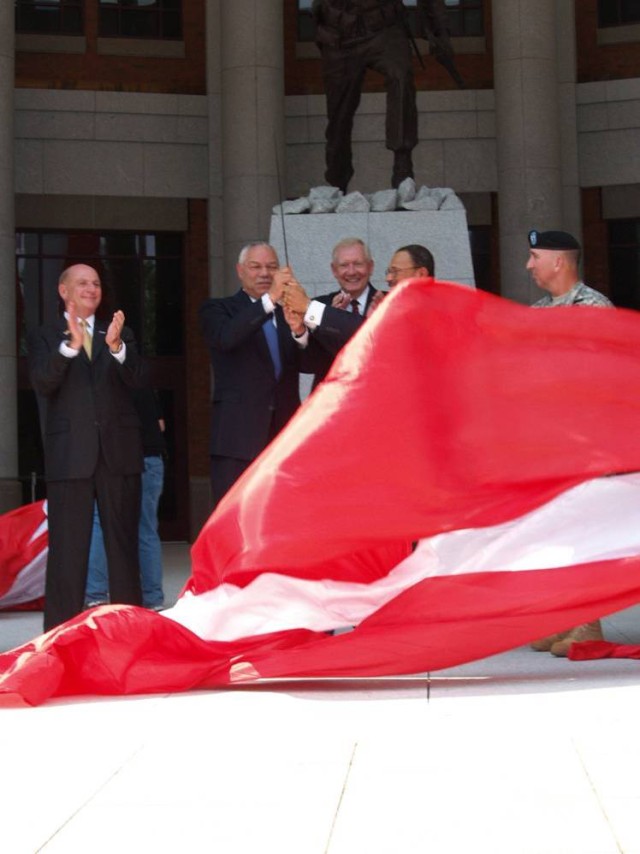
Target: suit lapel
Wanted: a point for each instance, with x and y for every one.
(61, 328)
(284, 335)
(259, 338)
(370, 294)
(99, 339)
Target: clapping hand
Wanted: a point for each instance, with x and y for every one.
(76, 333)
(114, 332)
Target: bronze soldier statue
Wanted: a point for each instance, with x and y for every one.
(354, 35)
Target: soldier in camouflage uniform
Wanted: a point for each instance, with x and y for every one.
(554, 259)
(354, 35)
(580, 294)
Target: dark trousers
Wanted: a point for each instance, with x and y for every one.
(224, 471)
(70, 520)
(389, 53)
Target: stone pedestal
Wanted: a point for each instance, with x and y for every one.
(311, 237)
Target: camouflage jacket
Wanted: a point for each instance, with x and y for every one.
(343, 22)
(580, 294)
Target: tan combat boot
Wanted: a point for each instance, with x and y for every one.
(587, 632)
(545, 644)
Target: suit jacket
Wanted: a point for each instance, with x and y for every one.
(331, 335)
(86, 406)
(249, 404)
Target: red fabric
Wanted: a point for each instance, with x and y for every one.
(33, 605)
(17, 548)
(450, 408)
(588, 650)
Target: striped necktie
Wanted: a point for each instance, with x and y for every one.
(87, 340)
(355, 306)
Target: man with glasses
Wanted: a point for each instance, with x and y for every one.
(318, 320)
(255, 366)
(412, 261)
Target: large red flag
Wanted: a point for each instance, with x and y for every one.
(453, 417)
(23, 556)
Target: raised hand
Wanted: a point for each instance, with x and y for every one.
(280, 279)
(295, 297)
(295, 320)
(341, 300)
(76, 333)
(114, 332)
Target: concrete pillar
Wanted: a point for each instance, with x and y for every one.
(252, 91)
(567, 119)
(214, 98)
(10, 493)
(528, 133)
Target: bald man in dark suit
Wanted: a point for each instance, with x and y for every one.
(83, 370)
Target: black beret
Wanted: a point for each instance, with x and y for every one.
(552, 240)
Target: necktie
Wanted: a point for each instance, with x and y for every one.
(87, 340)
(355, 306)
(271, 334)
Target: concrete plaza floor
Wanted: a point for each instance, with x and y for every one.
(517, 753)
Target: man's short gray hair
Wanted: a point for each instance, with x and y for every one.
(347, 243)
(242, 257)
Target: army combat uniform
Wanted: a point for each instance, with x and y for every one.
(580, 294)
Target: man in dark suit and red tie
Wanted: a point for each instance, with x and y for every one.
(83, 370)
(352, 266)
(255, 366)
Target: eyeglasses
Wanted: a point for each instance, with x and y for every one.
(395, 271)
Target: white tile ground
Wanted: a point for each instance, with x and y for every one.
(520, 753)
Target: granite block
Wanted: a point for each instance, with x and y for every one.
(311, 238)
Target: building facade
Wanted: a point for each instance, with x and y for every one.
(152, 137)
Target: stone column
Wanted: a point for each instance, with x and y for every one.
(252, 89)
(214, 98)
(568, 119)
(10, 493)
(528, 133)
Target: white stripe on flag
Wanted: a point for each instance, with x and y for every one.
(28, 584)
(597, 520)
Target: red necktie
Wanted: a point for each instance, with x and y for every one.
(355, 306)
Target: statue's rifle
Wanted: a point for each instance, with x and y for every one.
(406, 26)
(445, 59)
(447, 62)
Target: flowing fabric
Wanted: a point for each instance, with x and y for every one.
(23, 557)
(589, 650)
(484, 430)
